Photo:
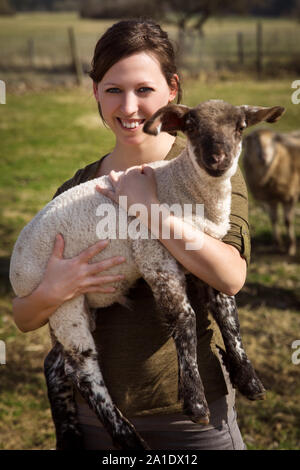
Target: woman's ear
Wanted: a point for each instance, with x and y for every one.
(95, 90)
(174, 87)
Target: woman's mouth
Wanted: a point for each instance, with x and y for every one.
(131, 124)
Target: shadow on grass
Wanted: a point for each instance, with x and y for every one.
(256, 295)
(263, 244)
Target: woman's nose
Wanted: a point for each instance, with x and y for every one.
(129, 104)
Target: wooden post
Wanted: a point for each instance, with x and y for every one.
(240, 48)
(259, 51)
(75, 56)
(31, 52)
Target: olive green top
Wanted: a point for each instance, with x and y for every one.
(137, 355)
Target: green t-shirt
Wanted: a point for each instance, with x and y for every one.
(136, 353)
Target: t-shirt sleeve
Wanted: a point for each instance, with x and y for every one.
(74, 181)
(239, 233)
(81, 176)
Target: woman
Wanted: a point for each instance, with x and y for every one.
(134, 74)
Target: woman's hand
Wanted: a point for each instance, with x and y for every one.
(63, 280)
(138, 183)
(68, 278)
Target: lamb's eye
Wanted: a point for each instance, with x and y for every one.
(242, 126)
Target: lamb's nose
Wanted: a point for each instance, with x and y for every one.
(217, 159)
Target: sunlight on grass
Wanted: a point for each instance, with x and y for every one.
(45, 138)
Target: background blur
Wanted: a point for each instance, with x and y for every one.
(245, 52)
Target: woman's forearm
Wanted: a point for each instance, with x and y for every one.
(33, 311)
(218, 264)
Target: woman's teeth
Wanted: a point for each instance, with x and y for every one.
(132, 124)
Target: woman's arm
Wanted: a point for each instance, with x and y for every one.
(218, 264)
(63, 280)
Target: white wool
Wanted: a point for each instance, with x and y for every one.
(73, 214)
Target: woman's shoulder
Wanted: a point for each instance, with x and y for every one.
(81, 176)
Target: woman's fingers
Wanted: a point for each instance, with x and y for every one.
(95, 268)
(103, 290)
(99, 280)
(93, 250)
(106, 192)
(59, 245)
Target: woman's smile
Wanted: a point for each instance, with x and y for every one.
(131, 125)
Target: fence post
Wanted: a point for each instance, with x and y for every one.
(75, 56)
(240, 48)
(259, 51)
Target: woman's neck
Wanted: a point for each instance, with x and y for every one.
(123, 157)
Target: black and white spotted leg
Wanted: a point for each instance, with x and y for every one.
(83, 369)
(62, 402)
(241, 371)
(71, 326)
(167, 281)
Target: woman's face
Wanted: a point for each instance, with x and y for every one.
(129, 93)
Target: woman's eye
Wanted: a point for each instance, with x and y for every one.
(113, 90)
(145, 89)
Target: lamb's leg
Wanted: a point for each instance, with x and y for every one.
(289, 212)
(273, 213)
(241, 371)
(167, 282)
(70, 325)
(61, 398)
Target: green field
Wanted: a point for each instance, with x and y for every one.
(215, 49)
(45, 136)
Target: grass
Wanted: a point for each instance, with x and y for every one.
(219, 43)
(45, 137)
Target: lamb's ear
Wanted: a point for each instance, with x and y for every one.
(167, 119)
(256, 114)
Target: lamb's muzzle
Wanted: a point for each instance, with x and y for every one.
(200, 174)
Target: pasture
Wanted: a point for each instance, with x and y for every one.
(45, 137)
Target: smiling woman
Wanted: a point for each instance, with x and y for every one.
(134, 74)
(127, 102)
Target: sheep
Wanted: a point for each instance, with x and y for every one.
(272, 170)
(210, 158)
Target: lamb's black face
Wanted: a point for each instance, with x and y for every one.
(214, 129)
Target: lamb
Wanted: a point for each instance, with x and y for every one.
(272, 171)
(214, 136)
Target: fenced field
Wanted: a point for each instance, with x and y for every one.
(40, 42)
(45, 136)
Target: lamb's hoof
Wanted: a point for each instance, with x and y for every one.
(249, 385)
(257, 396)
(204, 420)
(198, 414)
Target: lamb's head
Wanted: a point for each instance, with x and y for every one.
(214, 130)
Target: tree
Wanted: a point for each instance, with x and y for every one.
(6, 8)
(121, 8)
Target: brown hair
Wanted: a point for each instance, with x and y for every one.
(129, 37)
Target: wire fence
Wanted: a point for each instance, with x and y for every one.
(259, 48)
